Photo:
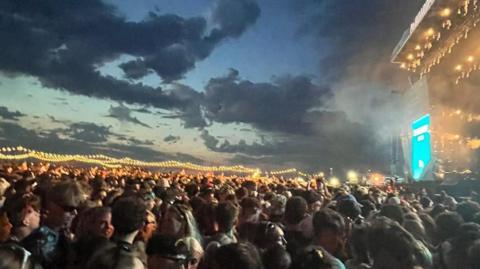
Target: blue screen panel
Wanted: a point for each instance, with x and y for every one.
(421, 147)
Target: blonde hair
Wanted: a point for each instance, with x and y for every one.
(193, 245)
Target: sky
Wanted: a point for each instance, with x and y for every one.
(266, 83)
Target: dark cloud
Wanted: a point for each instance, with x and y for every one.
(123, 114)
(189, 158)
(9, 115)
(233, 17)
(278, 106)
(55, 120)
(214, 144)
(191, 115)
(171, 139)
(209, 140)
(130, 140)
(291, 112)
(135, 141)
(135, 69)
(337, 143)
(62, 43)
(88, 132)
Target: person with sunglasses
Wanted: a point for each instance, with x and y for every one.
(61, 205)
(51, 242)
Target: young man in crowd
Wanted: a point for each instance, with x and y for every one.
(128, 217)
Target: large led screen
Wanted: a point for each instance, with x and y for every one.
(421, 147)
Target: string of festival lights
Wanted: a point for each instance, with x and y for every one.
(22, 153)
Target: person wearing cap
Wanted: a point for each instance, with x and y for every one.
(167, 252)
(348, 206)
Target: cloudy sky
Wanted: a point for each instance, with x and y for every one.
(266, 83)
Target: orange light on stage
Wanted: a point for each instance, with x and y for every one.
(377, 179)
(430, 32)
(446, 12)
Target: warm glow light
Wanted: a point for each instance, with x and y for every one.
(352, 177)
(114, 162)
(418, 47)
(377, 179)
(403, 66)
(470, 58)
(430, 32)
(446, 12)
(334, 182)
(458, 68)
(474, 143)
(410, 56)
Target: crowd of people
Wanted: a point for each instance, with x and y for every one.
(59, 216)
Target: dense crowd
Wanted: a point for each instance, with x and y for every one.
(54, 216)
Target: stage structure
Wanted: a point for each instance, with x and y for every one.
(441, 53)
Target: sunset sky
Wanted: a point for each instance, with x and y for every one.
(269, 83)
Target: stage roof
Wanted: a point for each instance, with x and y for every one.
(438, 27)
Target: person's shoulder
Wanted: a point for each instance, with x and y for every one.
(335, 262)
(130, 260)
(352, 264)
